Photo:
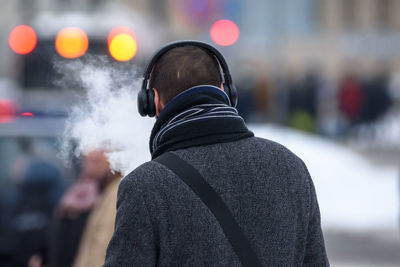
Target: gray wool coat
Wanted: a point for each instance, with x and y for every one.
(161, 222)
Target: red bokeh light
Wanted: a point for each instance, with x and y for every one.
(27, 114)
(22, 39)
(7, 110)
(224, 32)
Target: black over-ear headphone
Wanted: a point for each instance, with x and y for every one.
(145, 98)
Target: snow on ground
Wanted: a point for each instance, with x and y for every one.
(353, 193)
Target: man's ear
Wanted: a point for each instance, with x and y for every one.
(157, 102)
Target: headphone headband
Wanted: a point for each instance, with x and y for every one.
(146, 95)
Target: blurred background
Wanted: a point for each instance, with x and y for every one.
(322, 77)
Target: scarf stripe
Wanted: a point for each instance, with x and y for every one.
(198, 112)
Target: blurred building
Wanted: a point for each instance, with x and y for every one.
(354, 35)
(291, 35)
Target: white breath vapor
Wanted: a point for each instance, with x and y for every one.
(106, 118)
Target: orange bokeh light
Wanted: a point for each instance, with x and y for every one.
(22, 39)
(120, 30)
(72, 42)
(224, 32)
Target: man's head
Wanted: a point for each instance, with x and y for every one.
(179, 66)
(180, 69)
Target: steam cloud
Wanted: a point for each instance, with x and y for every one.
(106, 116)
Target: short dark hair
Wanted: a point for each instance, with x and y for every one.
(182, 68)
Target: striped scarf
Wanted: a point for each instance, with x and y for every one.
(201, 115)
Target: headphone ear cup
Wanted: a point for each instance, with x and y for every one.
(233, 95)
(231, 91)
(142, 102)
(151, 106)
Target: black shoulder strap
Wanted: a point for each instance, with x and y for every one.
(206, 193)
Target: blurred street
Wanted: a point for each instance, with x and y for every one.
(366, 248)
(363, 249)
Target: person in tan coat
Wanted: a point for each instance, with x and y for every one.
(95, 192)
(100, 224)
(99, 228)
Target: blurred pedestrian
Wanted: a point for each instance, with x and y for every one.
(377, 99)
(262, 101)
(100, 224)
(37, 195)
(303, 103)
(70, 220)
(85, 216)
(351, 98)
